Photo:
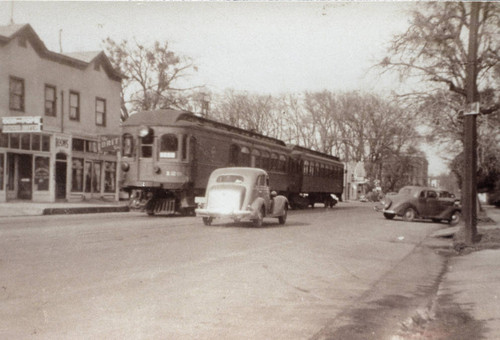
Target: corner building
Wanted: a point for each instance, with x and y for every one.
(55, 109)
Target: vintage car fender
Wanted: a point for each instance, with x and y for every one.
(257, 204)
(279, 205)
(400, 209)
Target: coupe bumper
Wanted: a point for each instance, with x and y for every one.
(235, 214)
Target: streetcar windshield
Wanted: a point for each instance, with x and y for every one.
(229, 179)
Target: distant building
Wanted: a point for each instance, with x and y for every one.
(54, 110)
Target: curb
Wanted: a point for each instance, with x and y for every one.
(83, 210)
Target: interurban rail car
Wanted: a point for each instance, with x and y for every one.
(168, 156)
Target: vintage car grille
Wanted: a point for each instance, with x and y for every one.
(225, 199)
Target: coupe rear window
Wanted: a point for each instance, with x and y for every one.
(229, 179)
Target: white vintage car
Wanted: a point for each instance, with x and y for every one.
(241, 194)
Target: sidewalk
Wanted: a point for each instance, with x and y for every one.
(467, 305)
(21, 208)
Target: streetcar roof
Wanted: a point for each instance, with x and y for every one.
(172, 117)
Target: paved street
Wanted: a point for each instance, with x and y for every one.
(127, 275)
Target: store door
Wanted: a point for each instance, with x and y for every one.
(25, 183)
(61, 176)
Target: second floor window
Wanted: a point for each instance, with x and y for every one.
(16, 94)
(50, 100)
(74, 106)
(100, 111)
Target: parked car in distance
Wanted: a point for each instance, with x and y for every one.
(241, 194)
(413, 202)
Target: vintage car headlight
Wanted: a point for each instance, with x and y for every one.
(386, 203)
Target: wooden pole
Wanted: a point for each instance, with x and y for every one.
(469, 185)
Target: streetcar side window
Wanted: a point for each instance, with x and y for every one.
(265, 160)
(282, 163)
(184, 147)
(169, 146)
(128, 145)
(256, 158)
(245, 157)
(306, 168)
(234, 152)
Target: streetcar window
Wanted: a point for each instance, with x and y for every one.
(128, 145)
(265, 160)
(306, 168)
(282, 163)
(184, 147)
(147, 145)
(256, 158)
(234, 151)
(245, 157)
(274, 161)
(168, 146)
(229, 179)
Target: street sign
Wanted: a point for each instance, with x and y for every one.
(472, 109)
(22, 124)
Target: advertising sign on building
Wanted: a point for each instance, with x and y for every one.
(109, 143)
(22, 124)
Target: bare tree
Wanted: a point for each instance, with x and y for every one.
(157, 76)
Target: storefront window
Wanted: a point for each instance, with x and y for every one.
(45, 143)
(109, 176)
(42, 173)
(1, 170)
(96, 178)
(88, 176)
(25, 141)
(35, 142)
(14, 141)
(77, 175)
(4, 140)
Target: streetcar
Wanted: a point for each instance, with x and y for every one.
(168, 156)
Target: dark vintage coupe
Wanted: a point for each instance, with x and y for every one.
(412, 202)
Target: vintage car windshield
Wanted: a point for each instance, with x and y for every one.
(446, 194)
(229, 179)
(409, 191)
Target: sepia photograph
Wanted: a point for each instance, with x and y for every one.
(319, 170)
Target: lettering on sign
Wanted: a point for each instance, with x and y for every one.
(109, 143)
(22, 124)
(62, 142)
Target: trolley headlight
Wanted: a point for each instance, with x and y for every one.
(125, 166)
(144, 131)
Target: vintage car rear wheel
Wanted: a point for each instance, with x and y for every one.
(282, 218)
(409, 214)
(389, 216)
(207, 220)
(257, 222)
(455, 218)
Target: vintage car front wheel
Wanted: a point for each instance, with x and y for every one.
(455, 218)
(282, 218)
(207, 220)
(389, 216)
(409, 214)
(257, 222)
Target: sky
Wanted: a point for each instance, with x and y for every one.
(259, 47)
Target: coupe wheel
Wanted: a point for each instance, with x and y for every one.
(409, 214)
(455, 218)
(282, 218)
(389, 216)
(207, 220)
(257, 222)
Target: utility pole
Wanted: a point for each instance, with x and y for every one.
(469, 185)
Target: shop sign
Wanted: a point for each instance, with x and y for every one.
(109, 143)
(62, 143)
(22, 124)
